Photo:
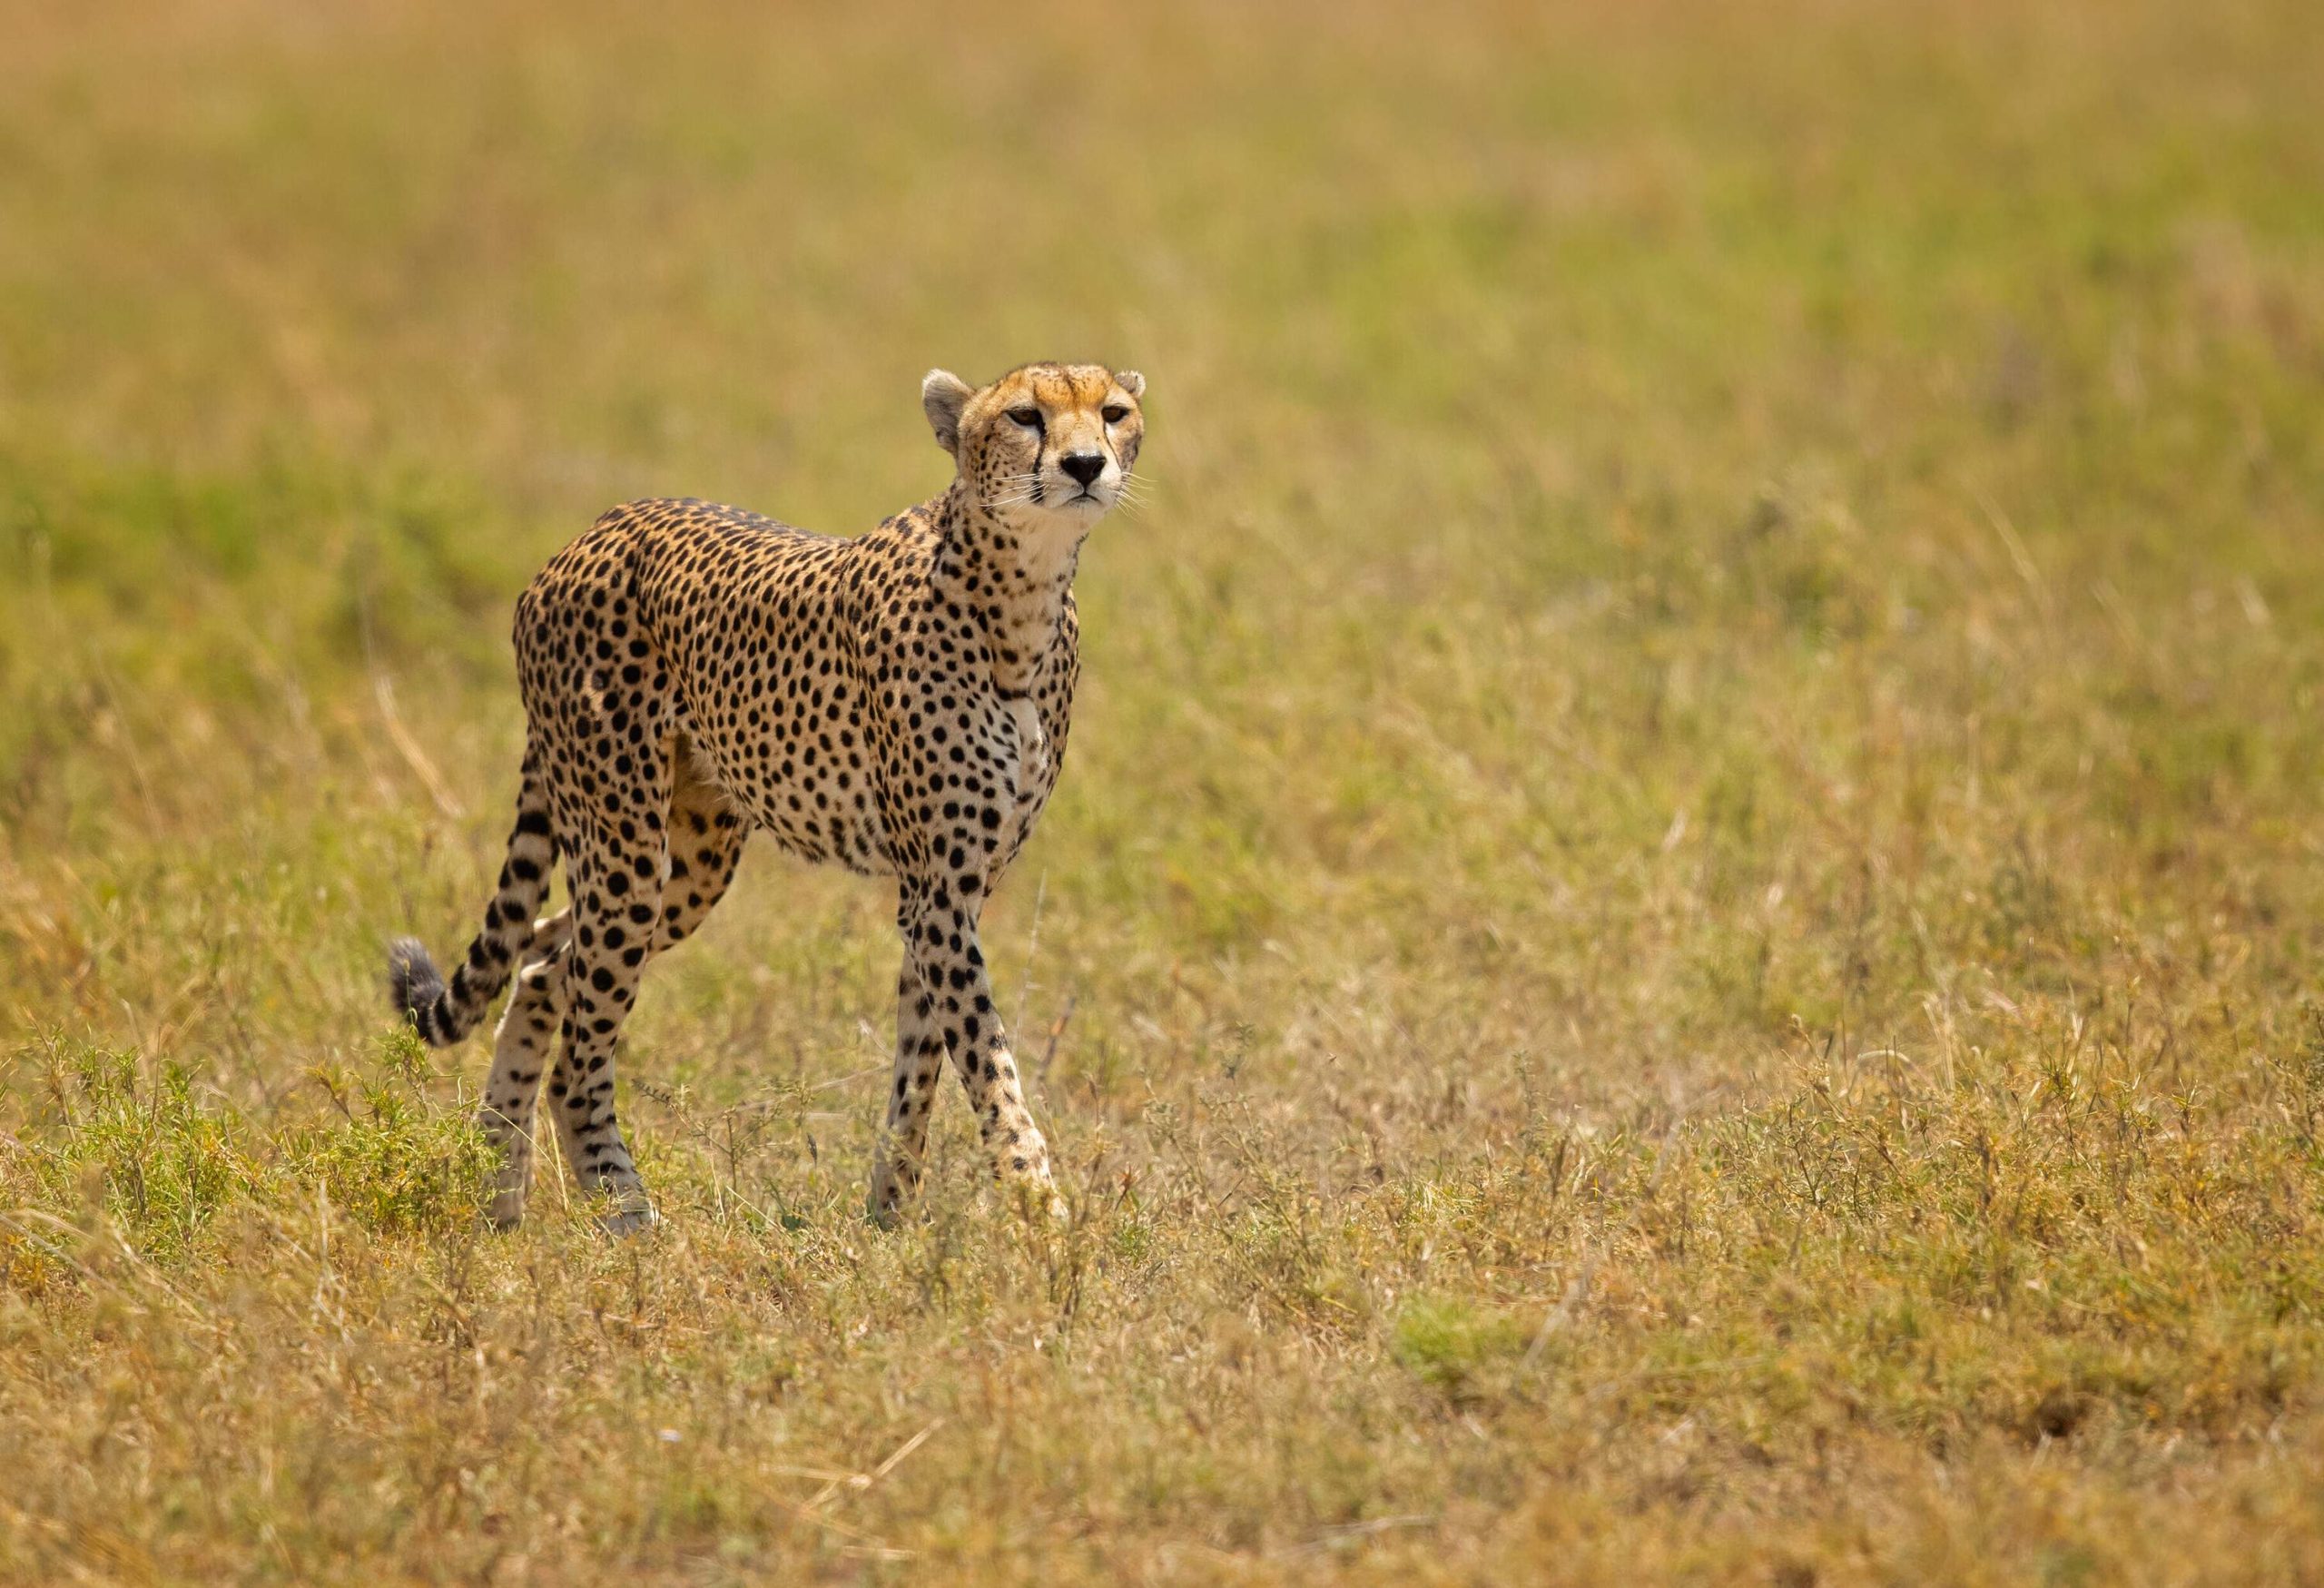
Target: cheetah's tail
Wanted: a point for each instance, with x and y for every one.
(443, 1014)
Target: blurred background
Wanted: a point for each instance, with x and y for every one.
(1684, 539)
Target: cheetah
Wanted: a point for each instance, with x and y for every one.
(897, 702)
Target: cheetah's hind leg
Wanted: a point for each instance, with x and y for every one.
(706, 835)
(519, 1053)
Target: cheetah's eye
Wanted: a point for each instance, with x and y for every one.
(1030, 417)
(1113, 413)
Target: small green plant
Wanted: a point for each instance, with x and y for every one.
(1449, 1342)
(392, 1158)
(163, 1164)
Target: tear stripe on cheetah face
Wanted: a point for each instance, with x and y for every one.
(898, 703)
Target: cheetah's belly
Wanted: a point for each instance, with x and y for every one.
(807, 789)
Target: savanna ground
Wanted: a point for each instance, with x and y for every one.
(1679, 938)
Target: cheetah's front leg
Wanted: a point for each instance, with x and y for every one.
(919, 1054)
(941, 936)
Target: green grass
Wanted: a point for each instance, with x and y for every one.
(1682, 938)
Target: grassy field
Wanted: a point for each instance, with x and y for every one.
(1682, 938)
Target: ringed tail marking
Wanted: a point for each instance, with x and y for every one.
(443, 1014)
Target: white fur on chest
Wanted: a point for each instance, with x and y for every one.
(1032, 746)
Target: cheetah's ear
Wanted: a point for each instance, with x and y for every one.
(942, 396)
(1131, 381)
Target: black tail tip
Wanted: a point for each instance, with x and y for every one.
(412, 981)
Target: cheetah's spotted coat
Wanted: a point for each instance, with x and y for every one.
(897, 702)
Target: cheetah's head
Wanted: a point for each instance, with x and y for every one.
(1047, 442)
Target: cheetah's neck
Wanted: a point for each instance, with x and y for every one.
(1017, 579)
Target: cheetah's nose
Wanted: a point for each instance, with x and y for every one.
(1084, 466)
